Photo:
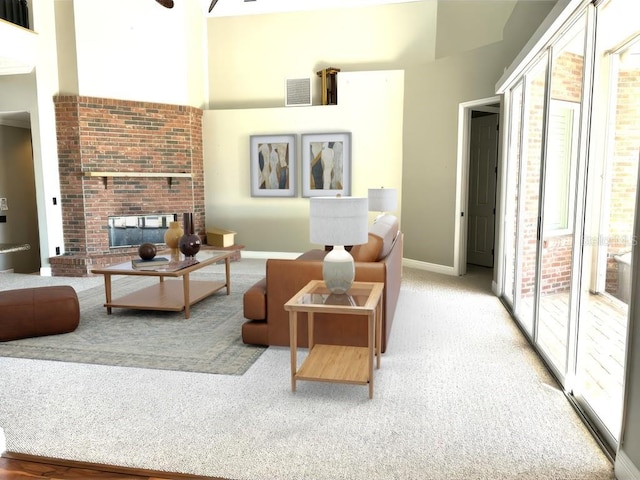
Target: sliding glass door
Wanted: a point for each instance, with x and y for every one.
(571, 175)
(560, 200)
(608, 241)
(524, 184)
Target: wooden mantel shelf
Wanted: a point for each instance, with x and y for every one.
(168, 175)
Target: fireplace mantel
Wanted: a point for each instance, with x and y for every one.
(168, 175)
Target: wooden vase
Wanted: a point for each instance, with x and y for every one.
(172, 238)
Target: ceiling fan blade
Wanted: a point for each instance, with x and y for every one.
(213, 4)
(166, 3)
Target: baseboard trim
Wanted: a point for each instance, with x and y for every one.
(430, 267)
(624, 468)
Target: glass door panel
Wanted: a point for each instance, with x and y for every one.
(608, 241)
(529, 194)
(512, 187)
(559, 197)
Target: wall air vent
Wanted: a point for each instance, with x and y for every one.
(297, 92)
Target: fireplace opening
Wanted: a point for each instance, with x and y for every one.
(134, 230)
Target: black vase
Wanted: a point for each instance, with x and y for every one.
(189, 243)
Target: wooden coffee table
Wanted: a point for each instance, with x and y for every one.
(176, 294)
(337, 363)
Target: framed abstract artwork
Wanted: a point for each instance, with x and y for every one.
(326, 164)
(273, 165)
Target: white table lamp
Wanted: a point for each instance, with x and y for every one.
(383, 200)
(338, 221)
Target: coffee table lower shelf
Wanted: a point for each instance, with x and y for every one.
(336, 363)
(167, 295)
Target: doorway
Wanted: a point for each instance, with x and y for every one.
(19, 216)
(478, 154)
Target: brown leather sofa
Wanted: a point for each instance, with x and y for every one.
(38, 311)
(379, 260)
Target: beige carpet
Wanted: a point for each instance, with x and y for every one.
(460, 395)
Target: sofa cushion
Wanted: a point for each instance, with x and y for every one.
(382, 234)
(385, 227)
(368, 252)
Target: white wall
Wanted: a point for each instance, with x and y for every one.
(251, 56)
(141, 51)
(370, 107)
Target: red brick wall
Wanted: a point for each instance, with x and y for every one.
(106, 135)
(566, 85)
(623, 171)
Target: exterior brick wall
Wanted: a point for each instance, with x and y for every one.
(106, 135)
(623, 171)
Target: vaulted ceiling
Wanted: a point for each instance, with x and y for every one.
(227, 8)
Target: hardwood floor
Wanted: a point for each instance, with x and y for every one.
(15, 466)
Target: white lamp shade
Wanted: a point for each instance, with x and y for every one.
(383, 199)
(338, 220)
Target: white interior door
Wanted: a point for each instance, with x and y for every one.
(482, 189)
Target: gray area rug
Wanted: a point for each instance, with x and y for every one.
(460, 395)
(207, 342)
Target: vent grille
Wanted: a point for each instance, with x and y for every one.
(297, 92)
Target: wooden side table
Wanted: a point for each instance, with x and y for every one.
(337, 363)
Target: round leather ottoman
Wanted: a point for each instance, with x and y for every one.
(34, 312)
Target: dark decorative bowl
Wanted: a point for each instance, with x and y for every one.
(190, 245)
(147, 251)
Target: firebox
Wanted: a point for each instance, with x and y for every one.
(134, 230)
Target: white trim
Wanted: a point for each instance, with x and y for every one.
(46, 272)
(559, 14)
(462, 180)
(429, 267)
(624, 467)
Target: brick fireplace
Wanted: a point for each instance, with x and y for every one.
(120, 158)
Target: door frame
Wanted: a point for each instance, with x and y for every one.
(465, 110)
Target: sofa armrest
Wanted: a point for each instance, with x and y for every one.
(255, 301)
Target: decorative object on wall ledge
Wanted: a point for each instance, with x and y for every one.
(189, 242)
(338, 221)
(329, 78)
(147, 251)
(273, 165)
(326, 164)
(172, 237)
